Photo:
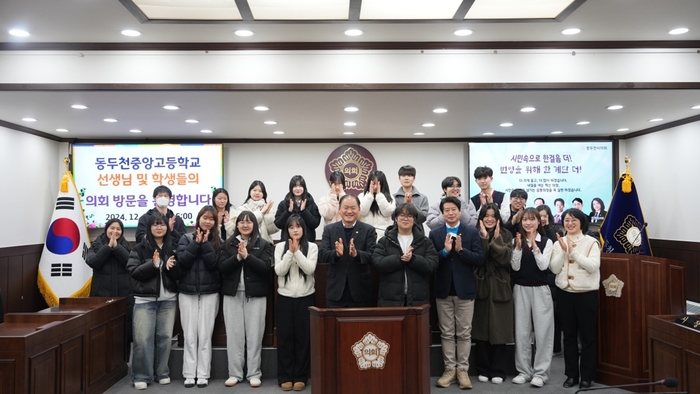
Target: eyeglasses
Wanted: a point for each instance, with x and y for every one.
(159, 225)
(454, 187)
(519, 198)
(404, 216)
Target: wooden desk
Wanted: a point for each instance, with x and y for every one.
(674, 351)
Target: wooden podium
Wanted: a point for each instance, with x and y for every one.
(370, 350)
(652, 286)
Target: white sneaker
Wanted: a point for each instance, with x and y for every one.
(255, 382)
(189, 382)
(520, 379)
(164, 381)
(140, 385)
(201, 382)
(230, 382)
(496, 380)
(483, 379)
(537, 381)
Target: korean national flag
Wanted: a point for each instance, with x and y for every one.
(62, 268)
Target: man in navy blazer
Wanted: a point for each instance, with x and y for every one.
(347, 246)
(459, 249)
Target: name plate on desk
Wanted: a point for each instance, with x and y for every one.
(688, 321)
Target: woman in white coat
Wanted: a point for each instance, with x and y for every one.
(257, 202)
(376, 203)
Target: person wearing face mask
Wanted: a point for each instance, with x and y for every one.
(452, 186)
(107, 257)
(328, 204)
(161, 196)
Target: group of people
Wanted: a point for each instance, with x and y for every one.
(492, 261)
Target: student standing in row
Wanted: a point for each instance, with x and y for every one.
(161, 196)
(328, 204)
(409, 194)
(257, 202)
(452, 186)
(298, 201)
(222, 203)
(483, 176)
(376, 203)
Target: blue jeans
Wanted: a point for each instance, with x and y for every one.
(153, 333)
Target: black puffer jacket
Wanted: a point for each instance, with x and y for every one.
(146, 276)
(310, 214)
(256, 268)
(394, 272)
(198, 263)
(109, 275)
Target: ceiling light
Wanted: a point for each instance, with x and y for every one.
(680, 30)
(623, 129)
(570, 32)
(353, 32)
(615, 107)
(440, 110)
(29, 119)
(463, 32)
(191, 121)
(278, 132)
(418, 133)
(134, 131)
(243, 33)
(79, 106)
(695, 107)
(131, 33)
(350, 124)
(656, 120)
(428, 125)
(348, 133)
(19, 33)
(487, 133)
(557, 132)
(110, 120)
(171, 107)
(351, 109)
(506, 124)
(205, 131)
(270, 122)
(527, 109)
(583, 123)
(62, 130)
(261, 108)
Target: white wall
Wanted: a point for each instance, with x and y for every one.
(31, 167)
(666, 169)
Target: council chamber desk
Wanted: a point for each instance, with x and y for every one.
(76, 347)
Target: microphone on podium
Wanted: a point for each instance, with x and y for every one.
(668, 382)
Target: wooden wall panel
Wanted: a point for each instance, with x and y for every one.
(687, 252)
(18, 271)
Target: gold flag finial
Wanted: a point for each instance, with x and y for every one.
(627, 177)
(66, 176)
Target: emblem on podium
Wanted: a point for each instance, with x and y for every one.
(613, 286)
(370, 352)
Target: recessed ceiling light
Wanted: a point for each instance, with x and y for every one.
(351, 109)
(615, 107)
(695, 107)
(350, 124)
(134, 131)
(680, 30)
(418, 133)
(131, 33)
(29, 119)
(261, 108)
(79, 106)
(278, 132)
(348, 133)
(488, 133)
(191, 121)
(205, 131)
(271, 122)
(19, 33)
(570, 32)
(428, 125)
(656, 120)
(527, 109)
(353, 32)
(623, 129)
(557, 132)
(110, 120)
(463, 32)
(583, 123)
(171, 107)
(62, 130)
(440, 110)
(506, 124)
(243, 33)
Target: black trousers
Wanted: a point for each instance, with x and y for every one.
(346, 301)
(293, 339)
(579, 319)
(491, 360)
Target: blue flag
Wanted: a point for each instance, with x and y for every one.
(624, 229)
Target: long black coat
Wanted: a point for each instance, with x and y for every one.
(256, 268)
(109, 275)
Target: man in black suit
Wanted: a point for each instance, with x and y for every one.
(347, 246)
